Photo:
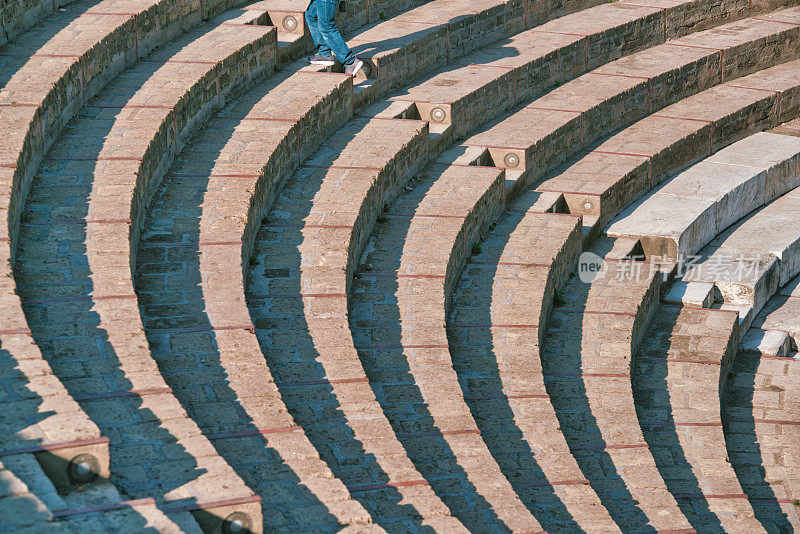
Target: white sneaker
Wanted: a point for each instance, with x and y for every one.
(328, 61)
(354, 67)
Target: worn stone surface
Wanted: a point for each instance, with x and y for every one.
(74, 248)
(677, 379)
(684, 214)
(760, 414)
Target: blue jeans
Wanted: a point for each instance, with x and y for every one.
(320, 18)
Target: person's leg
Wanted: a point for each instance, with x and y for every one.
(327, 27)
(312, 19)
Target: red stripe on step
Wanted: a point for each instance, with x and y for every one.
(323, 382)
(87, 298)
(122, 394)
(95, 158)
(321, 226)
(388, 485)
(561, 33)
(219, 244)
(434, 433)
(104, 507)
(594, 312)
(79, 221)
(682, 118)
(608, 447)
(258, 432)
(695, 46)
(505, 397)
(775, 20)
(553, 109)
(773, 422)
(756, 89)
(620, 153)
(213, 504)
(15, 331)
(510, 263)
(54, 446)
(57, 56)
(566, 374)
(346, 167)
(199, 175)
(711, 496)
(785, 358)
(123, 106)
(180, 61)
(689, 307)
(420, 276)
(111, 14)
(492, 325)
(576, 482)
(620, 75)
(191, 330)
(400, 347)
(675, 360)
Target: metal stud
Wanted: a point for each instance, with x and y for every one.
(289, 23)
(511, 160)
(83, 469)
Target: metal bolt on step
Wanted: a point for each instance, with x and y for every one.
(289, 23)
(438, 115)
(237, 523)
(587, 205)
(83, 469)
(511, 160)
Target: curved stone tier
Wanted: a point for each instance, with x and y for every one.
(85, 317)
(760, 410)
(677, 379)
(684, 214)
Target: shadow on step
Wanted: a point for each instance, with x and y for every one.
(475, 358)
(17, 53)
(184, 343)
(274, 296)
(376, 325)
(55, 284)
(561, 354)
(654, 410)
(738, 423)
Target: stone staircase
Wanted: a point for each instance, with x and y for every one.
(244, 294)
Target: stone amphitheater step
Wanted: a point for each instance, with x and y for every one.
(504, 295)
(315, 366)
(483, 85)
(18, 16)
(284, 135)
(782, 314)
(136, 226)
(685, 213)
(761, 420)
(789, 128)
(630, 163)
(128, 136)
(219, 170)
(588, 108)
(95, 508)
(749, 262)
(421, 395)
(685, 353)
(47, 74)
(586, 355)
(291, 140)
(20, 509)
